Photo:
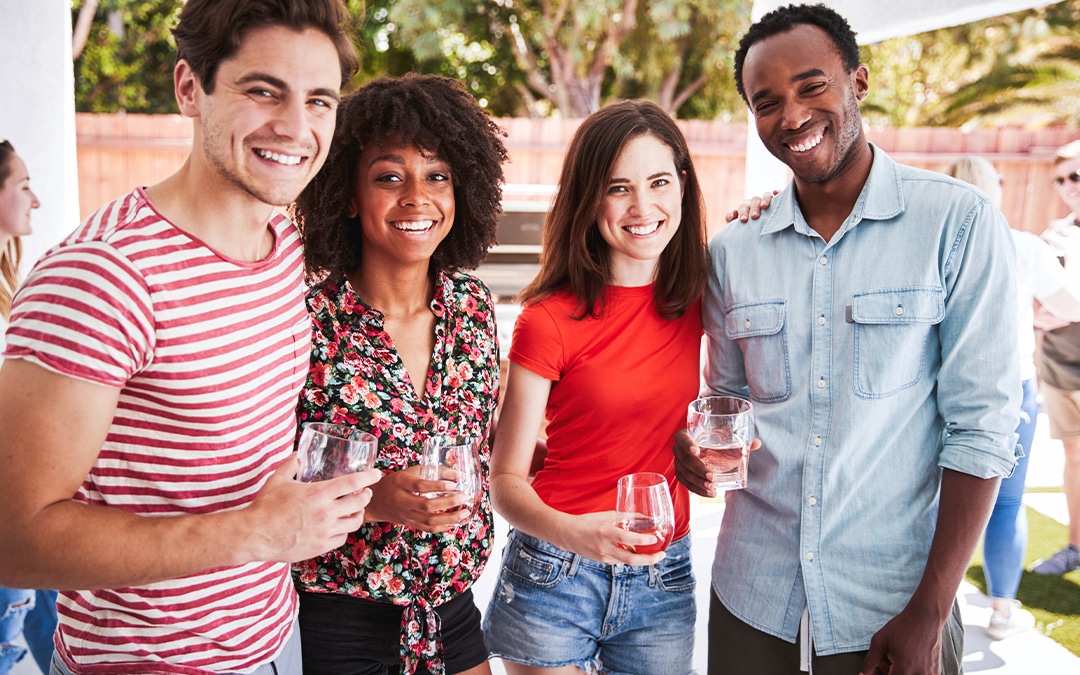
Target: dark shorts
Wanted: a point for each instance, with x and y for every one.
(738, 649)
(343, 635)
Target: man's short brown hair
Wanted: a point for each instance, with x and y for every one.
(210, 31)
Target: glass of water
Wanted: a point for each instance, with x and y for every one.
(330, 450)
(454, 459)
(723, 427)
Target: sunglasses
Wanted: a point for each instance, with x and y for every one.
(1073, 177)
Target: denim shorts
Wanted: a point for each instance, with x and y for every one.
(553, 608)
(15, 604)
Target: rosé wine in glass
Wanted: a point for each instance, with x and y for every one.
(645, 502)
(453, 459)
(723, 427)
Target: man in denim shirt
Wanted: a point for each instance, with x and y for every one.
(870, 317)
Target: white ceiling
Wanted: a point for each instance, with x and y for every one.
(875, 20)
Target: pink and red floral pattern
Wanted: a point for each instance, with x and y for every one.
(357, 378)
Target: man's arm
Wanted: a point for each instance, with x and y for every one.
(911, 641)
(978, 396)
(53, 429)
(723, 371)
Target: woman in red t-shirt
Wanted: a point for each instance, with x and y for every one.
(606, 350)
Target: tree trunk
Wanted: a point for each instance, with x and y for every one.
(82, 28)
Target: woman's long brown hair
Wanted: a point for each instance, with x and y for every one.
(576, 257)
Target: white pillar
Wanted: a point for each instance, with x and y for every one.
(763, 170)
(37, 112)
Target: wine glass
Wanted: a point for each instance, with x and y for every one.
(644, 502)
(723, 427)
(454, 459)
(330, 450)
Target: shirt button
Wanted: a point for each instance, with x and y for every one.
(821, 321)
(823, 260)
(821, 384)
(817, 440)
(809, 555)
(747, 324)
(812, 501)
(898, 311)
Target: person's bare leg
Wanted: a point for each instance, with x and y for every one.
(1071, 487)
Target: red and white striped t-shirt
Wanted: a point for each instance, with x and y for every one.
(210, 355)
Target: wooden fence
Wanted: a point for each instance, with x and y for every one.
(117, 152)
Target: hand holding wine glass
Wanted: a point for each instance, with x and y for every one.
(644, 503)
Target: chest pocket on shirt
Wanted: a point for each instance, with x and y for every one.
(891, 329)
(759, 330)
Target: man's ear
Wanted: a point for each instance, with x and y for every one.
(861, 81)
(187, 89)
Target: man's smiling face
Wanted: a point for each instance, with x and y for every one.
(805, 102)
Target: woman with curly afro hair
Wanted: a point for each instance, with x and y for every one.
(404, 347)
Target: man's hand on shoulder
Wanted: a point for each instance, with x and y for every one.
(751, 208)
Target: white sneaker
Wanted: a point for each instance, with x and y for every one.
(1018, 621)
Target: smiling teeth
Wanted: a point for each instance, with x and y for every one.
(415, 226)
(808, 145)
(643, 229)
(288, 160)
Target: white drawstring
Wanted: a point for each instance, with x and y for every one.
(806, 643)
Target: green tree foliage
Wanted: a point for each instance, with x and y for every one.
(535, 57)
(128, 60)
(568, 57)
(399, 37)
(681, 55)
(1021, 68)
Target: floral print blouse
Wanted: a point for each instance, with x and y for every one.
(356, 377)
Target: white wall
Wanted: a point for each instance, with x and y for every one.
(37, 112)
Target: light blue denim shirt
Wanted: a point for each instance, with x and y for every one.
(873, 361)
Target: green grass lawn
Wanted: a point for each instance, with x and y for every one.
(1055, 601)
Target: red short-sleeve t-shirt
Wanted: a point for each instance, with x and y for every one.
(621, 385)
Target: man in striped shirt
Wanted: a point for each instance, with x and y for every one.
(152, 370)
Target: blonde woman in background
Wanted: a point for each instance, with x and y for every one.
(16, 203)
(29, 613)
(1039, 276)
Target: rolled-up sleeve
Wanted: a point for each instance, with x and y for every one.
(979, 388)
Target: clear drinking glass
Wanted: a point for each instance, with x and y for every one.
(645, 500)
(723, 427)
(454, 459)
(330, 450)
